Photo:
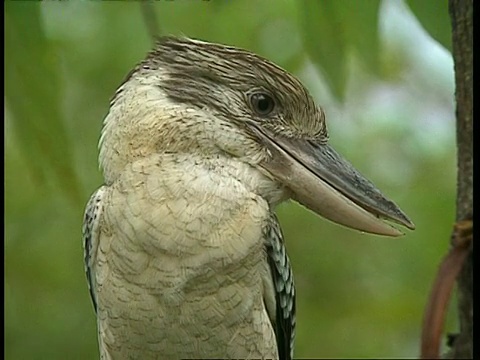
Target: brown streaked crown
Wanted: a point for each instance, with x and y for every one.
(222, 78)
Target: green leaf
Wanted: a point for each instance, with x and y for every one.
(325, 42)
(360, 19)
(332, 28)
(433, 15)
(33, 92)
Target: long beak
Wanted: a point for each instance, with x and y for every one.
(322, 180)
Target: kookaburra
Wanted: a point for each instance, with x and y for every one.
(184, 254)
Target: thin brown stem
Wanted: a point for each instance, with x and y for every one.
(440, 295)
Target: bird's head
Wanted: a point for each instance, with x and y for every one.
(193, 96)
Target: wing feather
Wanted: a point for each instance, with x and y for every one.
(283, 318)
(93, 212)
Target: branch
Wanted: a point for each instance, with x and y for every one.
(461, 13)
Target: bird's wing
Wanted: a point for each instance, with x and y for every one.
(283, 314)
(90, 234)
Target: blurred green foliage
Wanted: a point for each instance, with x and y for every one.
(433, 16)
(331, 28)
(358, 295)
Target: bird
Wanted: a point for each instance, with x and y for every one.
(184, 255)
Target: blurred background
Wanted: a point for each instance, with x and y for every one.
(387, 87)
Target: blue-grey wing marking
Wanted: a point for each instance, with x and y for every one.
(90, 234)
(283, 320)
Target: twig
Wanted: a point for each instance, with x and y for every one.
(448, 271)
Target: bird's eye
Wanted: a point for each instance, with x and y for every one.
(263, 104)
